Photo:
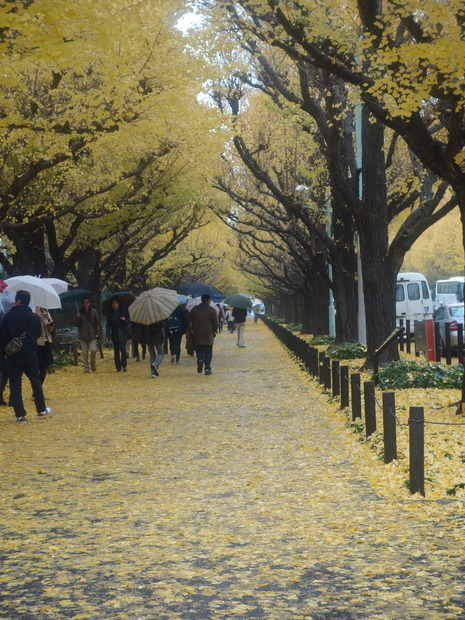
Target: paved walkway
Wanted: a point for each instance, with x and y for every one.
(198, 498)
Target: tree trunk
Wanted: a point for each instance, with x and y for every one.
(379, 278)
(29, 257)
(345, 293)
(306, 313)
(318, 297)
(87, 272)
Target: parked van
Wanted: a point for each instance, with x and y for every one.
(449, 291)
(413, 298)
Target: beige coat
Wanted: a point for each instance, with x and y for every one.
(203, 322)
(47, 326)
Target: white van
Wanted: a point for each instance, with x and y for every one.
(449, 291)
(413, 298)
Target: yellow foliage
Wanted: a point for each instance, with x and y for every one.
(230, 497)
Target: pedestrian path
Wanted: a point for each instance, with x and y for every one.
(200, 497)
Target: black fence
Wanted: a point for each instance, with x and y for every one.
(346, 386)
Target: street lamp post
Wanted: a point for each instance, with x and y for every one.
(361, 321)
(331, 307)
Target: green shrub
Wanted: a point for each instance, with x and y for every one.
(348, 351)
(400, 375)
(316, 340)
(61, 360)
(294, 327)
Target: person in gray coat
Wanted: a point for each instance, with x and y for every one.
(203, 323)
(88, 324)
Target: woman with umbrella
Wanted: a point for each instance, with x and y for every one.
(151, 308)
(117, 332)
(240, 303)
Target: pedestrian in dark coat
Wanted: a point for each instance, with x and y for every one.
(203, 322)
(22, 323)
(137, 335)
(176, 327)
(240, 314)
(117, 332)
(154, 338)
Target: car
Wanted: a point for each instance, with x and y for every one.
(452, 314)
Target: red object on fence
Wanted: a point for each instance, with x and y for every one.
(431, 352)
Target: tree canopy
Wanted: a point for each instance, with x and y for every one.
(103, 142)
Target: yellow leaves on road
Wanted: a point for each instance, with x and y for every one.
(238, 495)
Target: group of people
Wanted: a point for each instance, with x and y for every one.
(33, 355)
(201, 325)
(120, 330)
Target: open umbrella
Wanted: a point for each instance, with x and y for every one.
(61, 286)
(195, 301)
(191, 302)
(238, 300)
(7, 301)
(42, 294)
(71, 300)
(196, 289)
(125, 299)
(154, 305)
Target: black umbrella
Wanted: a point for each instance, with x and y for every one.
(195, 289)
(125, 299)
(238, 300)
(71, 300)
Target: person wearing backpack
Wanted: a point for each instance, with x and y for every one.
(176, 327)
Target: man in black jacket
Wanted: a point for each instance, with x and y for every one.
(21, 322)
(240, 314)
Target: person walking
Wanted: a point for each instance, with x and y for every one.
(88, 324)
(240, 314)
(44, 348)
(203, 322)
(228, 316)
(137, 332)
(117, 332)
(20, 322)
(176, 327)
(154, 338)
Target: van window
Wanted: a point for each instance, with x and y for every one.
(400, 293)
(447, 287)
(413, 291)
(424, 290)
(456, 311)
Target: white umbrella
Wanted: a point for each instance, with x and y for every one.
(195, 301)
(42, 294)
(7, 301)
(59, 285)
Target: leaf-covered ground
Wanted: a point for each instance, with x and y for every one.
(240, 495)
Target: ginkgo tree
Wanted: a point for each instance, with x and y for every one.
(337, 43)
(100, 128)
